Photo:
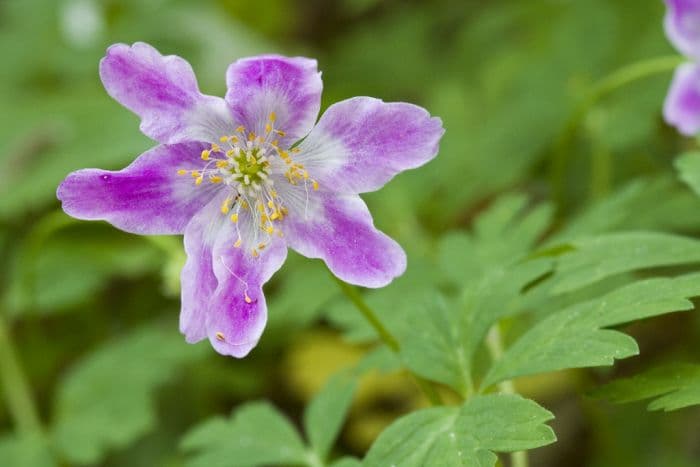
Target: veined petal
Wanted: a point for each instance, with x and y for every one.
(237, 310)
(682, 24)
(339, 230)
(682, 105)
(163, 91)
(147, 197)
(197, 279)
(288, 87)
(360, 144)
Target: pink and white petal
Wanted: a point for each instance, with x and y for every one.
(197, 278)
(147, 197)
(237, 310)
(289, 87)
(682, 25)
(682, 105)
(361, 143)
(339, 230)
(163, 91)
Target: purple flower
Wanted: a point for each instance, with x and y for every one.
(232, 176)
(682, 105)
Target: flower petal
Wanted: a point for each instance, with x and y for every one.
(361, 143)
(163, 91)
(197, 278)
(237, 311)
(339, 230)
(682, 24)
(682, 105)
(289, 87)
(147, 197)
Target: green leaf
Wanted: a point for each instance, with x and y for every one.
(597, 258)
(347, 462)
(575, 338)
(674, 386)
(25, 451)
(105, 402)
(255, 435)
(463, 436)
(688, 166)
(326, 413)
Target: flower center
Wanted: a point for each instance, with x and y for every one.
(249, 164)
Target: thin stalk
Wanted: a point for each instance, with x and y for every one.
(15, 387)
(494, 342)
(617, 79)
(354, 296)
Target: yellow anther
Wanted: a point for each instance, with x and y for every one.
(226, 206)
(221, 164)
(273, 193)
(305, 174)
(234, 138)
(215, 147)
(261, 208)
(255, 254)
(238, 243)
(246, 297)
(268, 128)
(273, 116)
(230, 153)
(269, 229)
(274, 216)
(314, 184)
(234, 217)
(251, 136)
(240, 129)
(244, 205)
(205, 155)
(182, 172)
(261, 246)
(274, 143)
(223, 139)
(199, 180)
(281, 133)
(220, 336)
(271, 204)
(195, 174)
(216, 179)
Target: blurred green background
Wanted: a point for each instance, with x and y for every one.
(94, 312)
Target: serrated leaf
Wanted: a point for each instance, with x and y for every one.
(673, 386)
(688, 166)
(255, 435)
(596, 258)
(105, 400)
(463, 436)
(25, 451)
(326, 413)
(575, 338)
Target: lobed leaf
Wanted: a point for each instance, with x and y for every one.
(463, 436)
(576, 338)
(673, 386)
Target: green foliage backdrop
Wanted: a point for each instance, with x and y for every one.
(557, 232)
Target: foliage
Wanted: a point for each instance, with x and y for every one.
(545, 244)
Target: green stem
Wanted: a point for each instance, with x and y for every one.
(354, 296)
(494, 342)
(617, 79)
(15, 387)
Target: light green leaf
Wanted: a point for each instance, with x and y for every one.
(674, 386)
(575, 338)
(596, 258)
(255, 435)
(326, 413)
(463, 436)
(25, 451)
(105, 400)
(347, 462)
(688, 166)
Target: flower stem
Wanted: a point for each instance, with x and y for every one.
(354, 296)
(617, 79)
(494, 342)
(17, 392)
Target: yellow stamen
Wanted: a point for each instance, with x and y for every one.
(237, 244)
(220, 336)
(182, 172)
(234, 217)
(199, 180)
(247, 298)
(273, 116)
(223, 139)
(205, 155)
(226, 206)
(240, 129)
(216, 179)
(281, 133)
(314, 184)
(255, 255)
(215, 147)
